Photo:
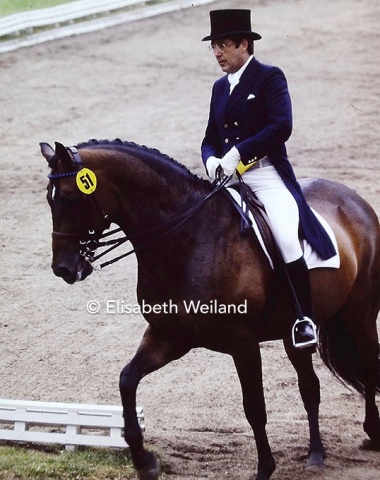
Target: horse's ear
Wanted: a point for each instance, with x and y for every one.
(63, 154)
(47, 151)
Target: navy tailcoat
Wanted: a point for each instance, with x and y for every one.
(257, 119)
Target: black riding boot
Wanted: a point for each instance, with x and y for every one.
(304, 332)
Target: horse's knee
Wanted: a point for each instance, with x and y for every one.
(128, 380)
(124, 379)
(128, 383)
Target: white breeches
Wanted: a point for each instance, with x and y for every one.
(281, 208)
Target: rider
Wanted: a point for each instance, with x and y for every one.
(249, 122)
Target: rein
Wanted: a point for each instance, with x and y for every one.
(90, 241)
(163, 230)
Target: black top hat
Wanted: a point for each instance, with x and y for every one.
(232, 22)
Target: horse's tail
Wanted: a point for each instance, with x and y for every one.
(339, 353)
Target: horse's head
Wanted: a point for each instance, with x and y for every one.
(77, 217)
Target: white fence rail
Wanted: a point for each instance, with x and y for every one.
(143, 10)
(67, 12)
(64, 423)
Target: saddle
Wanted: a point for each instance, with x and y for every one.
(251, 204)
(249, 207)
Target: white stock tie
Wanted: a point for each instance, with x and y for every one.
(233, 78)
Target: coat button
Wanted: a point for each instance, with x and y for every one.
(226, 125)
(236, 124)
(226, 140)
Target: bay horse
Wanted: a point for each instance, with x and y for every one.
(201, 257)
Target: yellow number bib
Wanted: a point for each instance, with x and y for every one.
(86, 181)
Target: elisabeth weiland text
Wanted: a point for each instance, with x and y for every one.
(190, 307)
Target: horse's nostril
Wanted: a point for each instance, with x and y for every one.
(65, 273)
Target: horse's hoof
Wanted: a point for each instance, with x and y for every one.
(316, 459)
(265, 471)
(373, 445)
(152, 470)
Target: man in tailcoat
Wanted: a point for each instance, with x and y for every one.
(249, 122)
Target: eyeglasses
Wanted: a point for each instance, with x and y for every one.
(219, 47)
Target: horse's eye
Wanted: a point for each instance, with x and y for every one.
(68, 202)
(57, 197)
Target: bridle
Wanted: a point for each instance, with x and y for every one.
(90, 241)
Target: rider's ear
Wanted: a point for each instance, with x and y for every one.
(63, 154)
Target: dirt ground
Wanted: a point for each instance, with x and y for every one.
(150, 82)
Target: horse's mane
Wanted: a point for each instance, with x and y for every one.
(144, 152)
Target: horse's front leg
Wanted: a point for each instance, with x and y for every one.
(153, 353)
(249, 369)
(309, 388)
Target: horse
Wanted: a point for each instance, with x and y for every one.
(190, 251)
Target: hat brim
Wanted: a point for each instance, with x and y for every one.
(248, 35)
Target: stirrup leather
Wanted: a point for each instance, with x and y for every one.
(308, 321)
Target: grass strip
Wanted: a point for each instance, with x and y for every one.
(8, 7)
(55, 463)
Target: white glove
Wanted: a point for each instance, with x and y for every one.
(230, 161)
(212, 163)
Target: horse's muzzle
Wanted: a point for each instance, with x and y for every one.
(73, 273)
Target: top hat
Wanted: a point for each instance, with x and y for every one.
(229, 23)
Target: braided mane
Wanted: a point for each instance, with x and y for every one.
(142, 151)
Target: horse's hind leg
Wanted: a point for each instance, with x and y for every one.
(349, 347)
(366, 339)
(153, 353)
(371, 423)
(309, 387)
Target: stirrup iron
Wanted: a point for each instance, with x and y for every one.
(308, 343)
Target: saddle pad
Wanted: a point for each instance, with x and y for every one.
(311, 257)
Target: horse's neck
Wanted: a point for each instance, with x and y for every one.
(147, 196)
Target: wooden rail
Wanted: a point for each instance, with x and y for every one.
(64, 423)
(143, 10)
(68, 12)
